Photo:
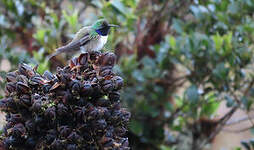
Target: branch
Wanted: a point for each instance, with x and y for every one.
(233, 122)
(237, 131)
(221, 124)
(223, 121)
(249, 87)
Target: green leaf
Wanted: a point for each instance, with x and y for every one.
(211, 105)
(252, 143)
(246, 145)
(39, 35)
(178, 101)
(72, 19)
(137, 74)
(120, 7)
(218, 41)
(230, 101)
(136, 127)
(227, 42)
(252, 130)
(178, 25)
(246, 102)
(192, 94)
(55, 20)
(221, 71)
(233, 7)
(3, 74)
(172, 42)
(169, 106)
(164, 147)
(131, 3)
(198, 11)
(43, 66)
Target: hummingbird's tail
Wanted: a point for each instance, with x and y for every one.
(58, 51)
(73, 46)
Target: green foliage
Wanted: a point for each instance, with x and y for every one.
(215, 53)
(43, 66)
(180, 59)
(248, 145)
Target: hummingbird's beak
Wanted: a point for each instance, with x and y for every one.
(113, 25)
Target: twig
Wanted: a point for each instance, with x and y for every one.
(175, 114)
(237, 131)
(248, 88)
(181, 78)
(250, 119)
(221, 124)
(239, 120)
(223, 121)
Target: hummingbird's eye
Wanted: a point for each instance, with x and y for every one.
(104, 24)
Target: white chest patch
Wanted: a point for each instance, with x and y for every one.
(95, 45)
(102, 42)
(104, 39)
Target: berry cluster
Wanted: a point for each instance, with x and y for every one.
(76, 109)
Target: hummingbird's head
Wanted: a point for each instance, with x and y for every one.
(102, 27)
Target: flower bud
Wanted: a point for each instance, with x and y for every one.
(22, 78)
(15, 118)
(72, 147)
(73, 62)
(12, 141)
(30, 126)
(11, 77)
(48, 75)
(8, 104)
(80, 113)
(74, 137)
(36, 80)
(64, 131)
(114, 96)
(18, 130)
(25, 100)
(83, 59)
(100, 125)
(107, 142)
(117, 82)
(62, 110)
(57, 144)
(93, 114)
(26, 70)
(75, 87)
(86, 88)
(107, 59)
(10, 87)
(30, 143)
(50, 113)
(107, 85)
(50, 136)
(36, 107)
(106, 71)
(22, 88)
(46, 88)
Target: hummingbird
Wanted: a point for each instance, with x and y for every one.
(88, 38)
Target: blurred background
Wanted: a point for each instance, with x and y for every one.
(187, 64)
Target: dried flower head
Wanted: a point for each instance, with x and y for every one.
(77, 108)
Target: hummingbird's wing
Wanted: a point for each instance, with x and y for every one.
(82, 33)
(81, 38)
